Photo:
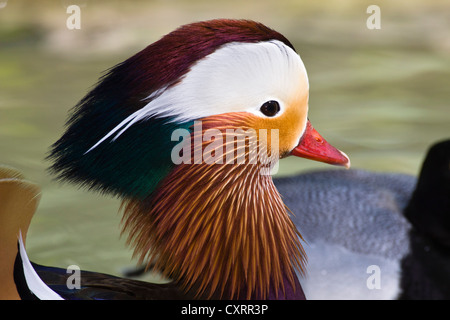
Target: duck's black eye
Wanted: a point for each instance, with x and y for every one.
(270, 108)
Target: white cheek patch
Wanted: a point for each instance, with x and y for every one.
(238, 77)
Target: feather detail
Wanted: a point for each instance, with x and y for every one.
(34, 282)
(218, 229)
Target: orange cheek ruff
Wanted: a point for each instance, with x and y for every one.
(286, 128)
(290, 125)
(210, 228)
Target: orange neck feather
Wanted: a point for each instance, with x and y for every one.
(221, 230)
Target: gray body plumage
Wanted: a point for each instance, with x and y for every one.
(351, 220)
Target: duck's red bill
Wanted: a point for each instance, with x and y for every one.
(312, 146)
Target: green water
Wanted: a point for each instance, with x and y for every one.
(381, 96)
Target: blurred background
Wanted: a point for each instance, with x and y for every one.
(382, 96)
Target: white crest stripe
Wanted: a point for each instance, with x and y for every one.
(238, 77)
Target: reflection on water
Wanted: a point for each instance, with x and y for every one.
(379, 95)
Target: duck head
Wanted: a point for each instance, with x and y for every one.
(173, 130)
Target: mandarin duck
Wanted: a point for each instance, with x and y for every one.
(187, 133)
